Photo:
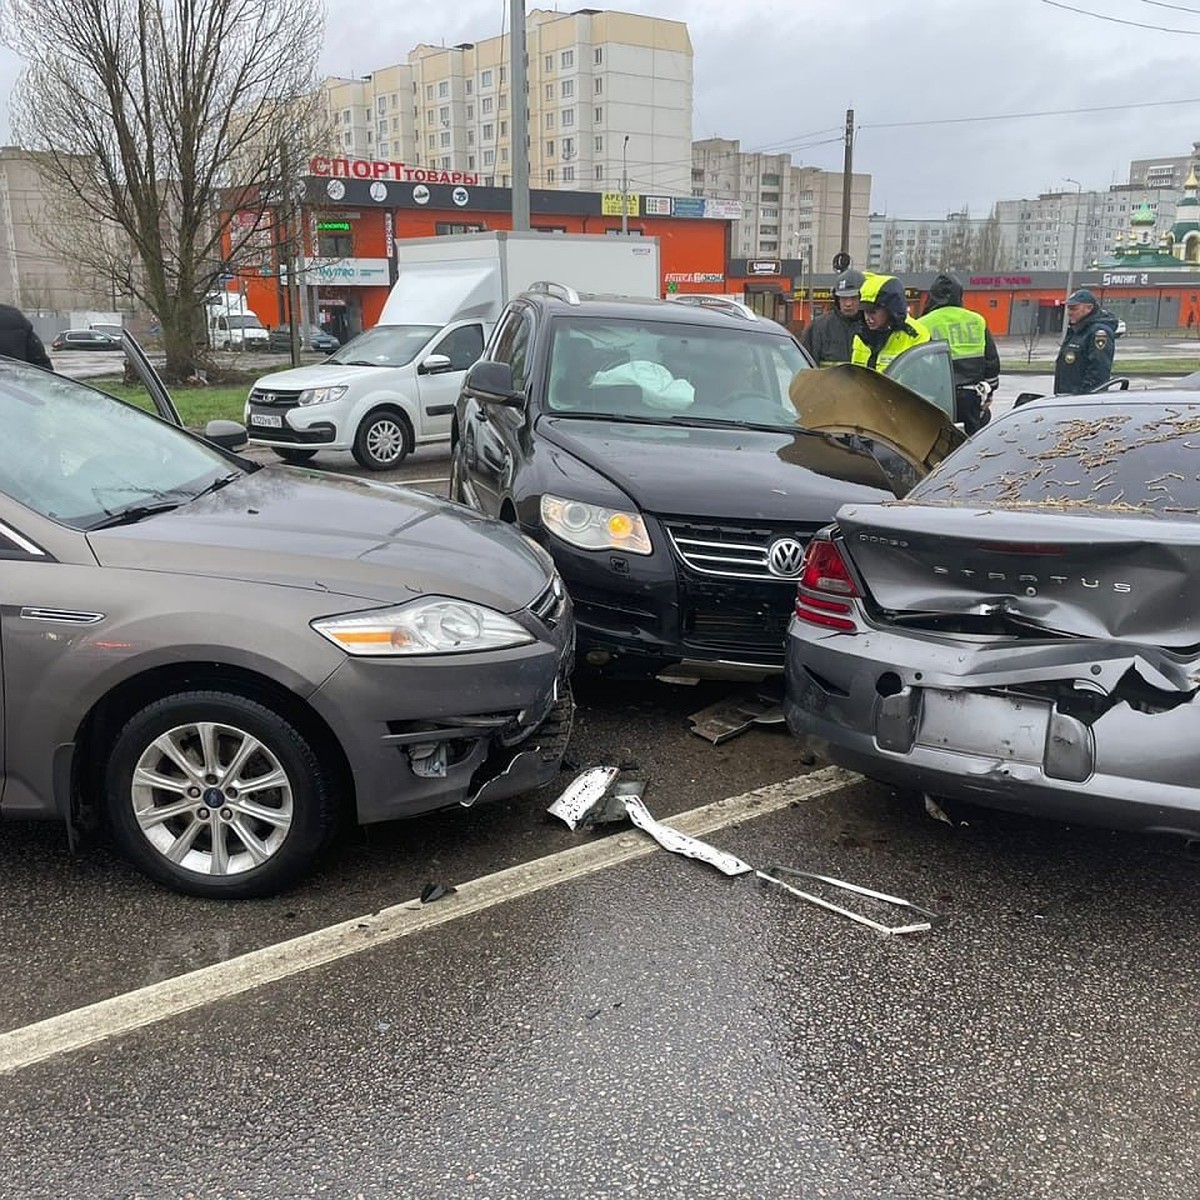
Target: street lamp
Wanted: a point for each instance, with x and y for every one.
(624, 188)
(1074, 237)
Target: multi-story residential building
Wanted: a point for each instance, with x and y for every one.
(36, 273)
(1037, 234)
(902, 246)
(610, 105)
(785, 208)
(1166, 174)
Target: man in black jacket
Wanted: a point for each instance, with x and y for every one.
(18, 340)
(830, 338)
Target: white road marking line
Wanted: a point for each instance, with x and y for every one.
(159, 1001)
(439, 479)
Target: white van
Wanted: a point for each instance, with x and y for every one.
(233, 325)
(394, 387)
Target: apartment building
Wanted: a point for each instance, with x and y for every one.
(1037, 234)
(905, 246)
(785, 208)
(1168, 173)
(610, 105)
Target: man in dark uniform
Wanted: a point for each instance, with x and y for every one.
(1086, 356)
(18, 340)
(830, 338)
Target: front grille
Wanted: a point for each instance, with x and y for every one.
(270, 398)
(738, 551)
(742, 621)
(548, 605)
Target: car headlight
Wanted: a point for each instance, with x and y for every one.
(436, 625)
(594, 528)
(324, 395)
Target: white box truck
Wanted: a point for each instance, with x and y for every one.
(394, 386)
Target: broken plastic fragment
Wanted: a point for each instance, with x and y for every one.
(582, 795)
(681, 843)
(727, 718)
(435, 891)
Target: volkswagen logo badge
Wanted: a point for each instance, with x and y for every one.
(784, 558)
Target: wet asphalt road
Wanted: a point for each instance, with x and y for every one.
(651, 1029)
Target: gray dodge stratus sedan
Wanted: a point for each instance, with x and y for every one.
(216, 659)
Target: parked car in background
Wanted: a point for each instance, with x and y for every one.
(311, 338)
(675, 459)
(1120, 329)
(1021, 629)
(84, 339)
(217, 660)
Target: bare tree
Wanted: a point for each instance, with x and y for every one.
(987, 246)
(144, 113)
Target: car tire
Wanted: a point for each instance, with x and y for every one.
(294, 456)
(455, 489)
(174, 814)
(383, 441)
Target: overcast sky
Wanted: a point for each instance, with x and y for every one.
(773, 72)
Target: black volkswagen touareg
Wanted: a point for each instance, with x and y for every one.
(651, 446)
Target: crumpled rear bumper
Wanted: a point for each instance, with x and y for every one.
(1096, 732)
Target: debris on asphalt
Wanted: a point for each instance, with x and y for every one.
(938, 813)
(681, 843)
(772, 875)
(583, 794)
(435, 891)
(727, 718)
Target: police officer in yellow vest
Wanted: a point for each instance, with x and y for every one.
(889, 330)
(973, 353)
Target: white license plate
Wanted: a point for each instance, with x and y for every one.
(269, 420)
(990, 726)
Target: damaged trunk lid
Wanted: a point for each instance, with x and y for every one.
(1080, 525)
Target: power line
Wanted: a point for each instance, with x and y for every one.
(1176, 7)
(1050, 112)
(1120, 20)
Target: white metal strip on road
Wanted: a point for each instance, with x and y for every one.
(121, 1014)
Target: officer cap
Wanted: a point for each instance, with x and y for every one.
(1081, 296)
(848, 283)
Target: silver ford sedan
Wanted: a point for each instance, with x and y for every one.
(216, 660)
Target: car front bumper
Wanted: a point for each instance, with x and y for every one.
(1094, 732)
(424, 734)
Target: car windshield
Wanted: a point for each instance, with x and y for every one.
(385, 346)
(247, 322)
(83, 458)
(672, 371)
(1094, 459)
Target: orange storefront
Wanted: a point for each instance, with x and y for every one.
(349, 226)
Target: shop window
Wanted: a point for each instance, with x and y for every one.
(446, 228)
(334, 245)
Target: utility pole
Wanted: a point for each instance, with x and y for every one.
(1074, 238)
(812, 288)
(847, 171)
(520, 115)
(624, 188)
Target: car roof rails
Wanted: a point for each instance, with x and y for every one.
(723, 303)
(550, 288)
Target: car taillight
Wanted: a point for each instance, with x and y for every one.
(823, 576)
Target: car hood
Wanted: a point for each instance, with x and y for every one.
(336, 534)
(721, 473)
(854, 400)
(318, 375)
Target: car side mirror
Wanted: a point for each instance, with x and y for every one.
(435, 364)
(229, 435)
(492, 383)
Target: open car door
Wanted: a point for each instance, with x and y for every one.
(229, 435)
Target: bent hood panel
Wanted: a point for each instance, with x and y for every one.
(1094, 577)
(854, 400)
(721, 473)
(336, 534)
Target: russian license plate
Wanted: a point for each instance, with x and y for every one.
(1002, 727)
(266, 420)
